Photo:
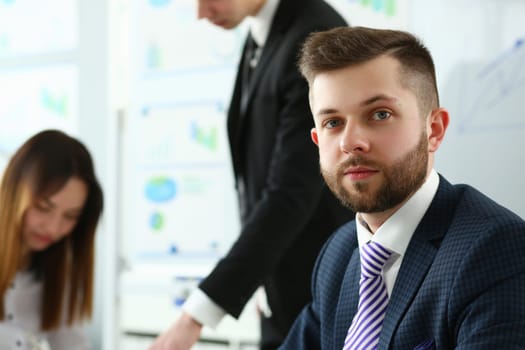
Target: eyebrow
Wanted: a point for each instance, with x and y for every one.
(376, 98)
(327, 111)
(48, 201)
(365, 103)
(53, 205)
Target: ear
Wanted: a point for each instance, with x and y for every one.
(437, 124)
(313, 135)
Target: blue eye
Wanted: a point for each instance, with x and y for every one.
(381, 115)
(332, 123)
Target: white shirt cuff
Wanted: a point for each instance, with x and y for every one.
(203, 309)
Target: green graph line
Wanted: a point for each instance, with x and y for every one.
(388, 7)
(56, 104)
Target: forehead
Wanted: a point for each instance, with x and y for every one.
(357, 83)
(73, 194)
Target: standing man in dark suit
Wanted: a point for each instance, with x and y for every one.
(287, 212)
(454, 271)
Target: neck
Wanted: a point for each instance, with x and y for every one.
(258, 5)
(375, 220)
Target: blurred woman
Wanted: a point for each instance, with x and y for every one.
(50, 204)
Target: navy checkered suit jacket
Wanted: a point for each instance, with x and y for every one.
(461, 284)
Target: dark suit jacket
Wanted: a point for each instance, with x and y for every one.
(461, 284)
(287, 212)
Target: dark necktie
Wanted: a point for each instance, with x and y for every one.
(249, 62)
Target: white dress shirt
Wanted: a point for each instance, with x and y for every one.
(260, 24)
(20, 329)
(397, 231)
(199, 306)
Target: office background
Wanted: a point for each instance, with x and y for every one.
(146, 86)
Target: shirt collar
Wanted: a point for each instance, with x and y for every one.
(395, 233)
(260, 24)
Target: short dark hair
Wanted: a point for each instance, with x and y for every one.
(345, 46)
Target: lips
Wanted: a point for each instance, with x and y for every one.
(360, 173)
(43, 238)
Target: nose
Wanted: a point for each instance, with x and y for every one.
(54, 226)
(354, 140)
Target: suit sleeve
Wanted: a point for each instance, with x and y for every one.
(315, 327)
(306, 331)
(293, 188)
(490, 313)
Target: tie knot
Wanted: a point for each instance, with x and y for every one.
(373, 258)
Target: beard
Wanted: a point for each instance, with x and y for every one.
(401, 180)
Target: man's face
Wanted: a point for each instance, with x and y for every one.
(373, 143)
(228, 14)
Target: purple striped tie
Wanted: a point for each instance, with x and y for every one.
(373, 299)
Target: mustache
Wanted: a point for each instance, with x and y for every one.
(354, 161)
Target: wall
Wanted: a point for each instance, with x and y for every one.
(479, 53)
(54, 64)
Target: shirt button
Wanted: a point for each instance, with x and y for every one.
(12, 285)
(19, 343)
(10, 317)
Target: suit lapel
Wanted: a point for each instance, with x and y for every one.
(418, 259)
(262, 66)
(240, 103)
(233, 123)
(284, 15)
(348, 297)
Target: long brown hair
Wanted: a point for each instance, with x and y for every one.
(346, 46)
(38, 169)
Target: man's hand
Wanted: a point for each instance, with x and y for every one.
(182, 335)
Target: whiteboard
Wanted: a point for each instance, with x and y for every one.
(479, 52)
(179, 206)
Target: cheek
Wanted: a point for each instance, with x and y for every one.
(328, 153)
(67, 228)
(396, 144)
(30, 224)
(31, 220)
(26, 228)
